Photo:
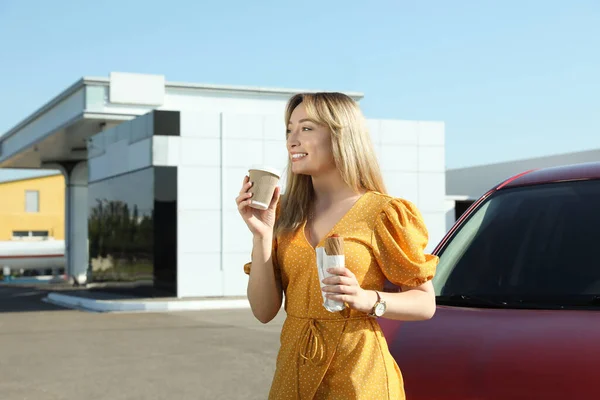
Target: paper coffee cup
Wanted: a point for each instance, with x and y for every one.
(264, 181)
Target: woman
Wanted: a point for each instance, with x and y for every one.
(334, 186)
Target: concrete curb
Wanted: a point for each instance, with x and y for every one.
(143, 305)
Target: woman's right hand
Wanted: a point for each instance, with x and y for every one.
(260, 222)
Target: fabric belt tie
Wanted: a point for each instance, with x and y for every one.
(311, 345)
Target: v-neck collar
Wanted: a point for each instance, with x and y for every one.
(332, 230)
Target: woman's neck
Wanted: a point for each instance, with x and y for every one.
(330, 189)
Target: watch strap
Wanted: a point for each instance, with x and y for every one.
(372, 312)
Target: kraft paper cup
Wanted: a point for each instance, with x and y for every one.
(265, 180)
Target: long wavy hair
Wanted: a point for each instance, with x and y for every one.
(353, 153)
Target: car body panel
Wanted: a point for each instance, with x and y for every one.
(470, 353)
(473, 353)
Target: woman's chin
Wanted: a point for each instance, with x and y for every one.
(298, 170)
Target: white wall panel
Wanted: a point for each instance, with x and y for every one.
(204, 152)
(432, 191)
(399, 158)
(237, 238)
(431, 133)
(200, 124)
(374, 127)
(235, 281)
(275, 154)
(199, 274)
(242, 153)
(399, 132)
(199, 188)
(243, 126)
(274, 127)
(144, 89)
(432, 159)
(404, 185)
(199, 231)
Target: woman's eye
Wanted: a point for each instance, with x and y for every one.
(304, 128)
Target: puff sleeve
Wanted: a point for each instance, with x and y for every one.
(399, 240)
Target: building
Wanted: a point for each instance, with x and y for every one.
(32, 205)
(32, 212)
(465, 185)
(152, 169)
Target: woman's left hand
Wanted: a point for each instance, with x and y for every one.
(344, 287)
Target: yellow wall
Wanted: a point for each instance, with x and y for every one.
(51, 215)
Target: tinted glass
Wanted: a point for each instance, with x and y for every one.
(535, 241)
(121, 228)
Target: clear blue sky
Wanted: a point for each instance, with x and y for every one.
(510, 78)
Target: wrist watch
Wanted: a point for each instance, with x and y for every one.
(379, 308)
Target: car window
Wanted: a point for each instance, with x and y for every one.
(534, 241)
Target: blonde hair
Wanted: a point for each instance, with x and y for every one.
(352, 149)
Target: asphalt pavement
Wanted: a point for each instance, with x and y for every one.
(48, 352)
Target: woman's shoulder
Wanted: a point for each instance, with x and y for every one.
(394, 208)
(384, 200)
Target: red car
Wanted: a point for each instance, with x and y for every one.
(518, 294)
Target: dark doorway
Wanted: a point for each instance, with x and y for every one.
(460, 206)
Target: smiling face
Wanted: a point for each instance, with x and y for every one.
(337, 147)
(309, 145)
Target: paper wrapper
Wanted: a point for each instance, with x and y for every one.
(330, 256)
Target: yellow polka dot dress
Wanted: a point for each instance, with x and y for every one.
(344, 355)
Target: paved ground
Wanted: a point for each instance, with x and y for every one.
(47, 352)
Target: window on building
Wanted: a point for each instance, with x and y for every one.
(20, 234)
(30, 235)
(39, 233)
(32, 201)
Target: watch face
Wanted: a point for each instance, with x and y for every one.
(380, 309)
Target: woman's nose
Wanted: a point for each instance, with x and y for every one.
(292, 140)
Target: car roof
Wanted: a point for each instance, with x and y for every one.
(573, 172)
